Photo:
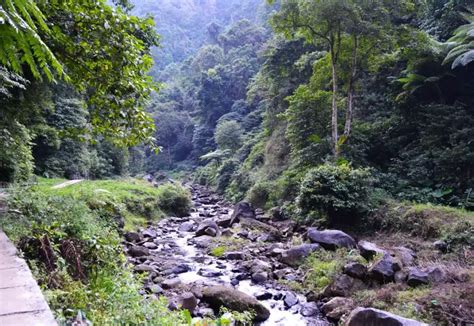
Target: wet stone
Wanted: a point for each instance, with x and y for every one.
(264, 295)
(309, 309)
(290, 299)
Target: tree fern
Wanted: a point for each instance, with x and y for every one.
(20, 43)
(461, 45)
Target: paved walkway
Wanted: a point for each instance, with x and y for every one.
(21, 300)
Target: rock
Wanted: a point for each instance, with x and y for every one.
(209, 272)
(171, 283)
(436, 275)
(207, 227)
(226, 232)
(290, 299)
(241, 210)
(144, 268)
(260, 277)
(331, 239)
(343, 286)
(374, 317)
(441, 246)
(309, 309)
(156, 289)
(400, 277)
(180, 268)
(188, 301)
(264, 295)
(369, 250)
(276, 214)
(138, 251)
(259, 265)
(356, 270)
(406, 255)
(149, 233)
(234, 255)
(203, 241)
(234, 282)
(218, 296)
(337, 307)
(132, 237)
(384, 269)
(295, 255)
(150, 245)
(186, 227)
(417, 277)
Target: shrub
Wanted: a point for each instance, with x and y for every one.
(174, 199)
(259, 194)
(335, 194)
(228, 135)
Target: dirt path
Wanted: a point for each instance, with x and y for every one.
(67, 183)
(21, 300)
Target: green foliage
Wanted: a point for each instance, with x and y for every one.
(218, 251)
(92, 274)
(461, 45)
(21, 24)
(323, 266)
(228, 135)
(335, 194)
(174, 199)
(16, 160)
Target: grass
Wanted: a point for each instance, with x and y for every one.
(135, 200)
(86, 269)
(426, 221)
(323, 266)
(218, 251)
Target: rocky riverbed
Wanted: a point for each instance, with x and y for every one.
(241, 259)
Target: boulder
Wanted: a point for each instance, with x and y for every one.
(206, 272)
(264, 295)
(417, 277)
(171, 283)
(132, 237)
(337, 307)
(242, 209)
(436, 275)
(356, 270)
(343, 286)
(309, 309)
(218, 296)
(137, 251)
(234, 255)
(375, 317)
(149, 233)
(188, 301)
(384, 269)
(260, 277)
(331, 239)
(290, 299)
(407, 256)
(144, 268)
(186, 227)
(295, 255)
(369, 250)
(207, 227)
(203, 241)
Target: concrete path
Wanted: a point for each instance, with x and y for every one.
(66, 183)
(21, 300)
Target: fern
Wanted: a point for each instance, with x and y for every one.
(20, 42)
(461, 45)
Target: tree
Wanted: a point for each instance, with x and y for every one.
(228, 135)
(335, 26)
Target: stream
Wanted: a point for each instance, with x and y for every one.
(178, 261)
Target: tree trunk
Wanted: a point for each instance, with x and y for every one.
(351, 91)
(335, 135)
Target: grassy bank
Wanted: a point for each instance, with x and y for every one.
(71, 240)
